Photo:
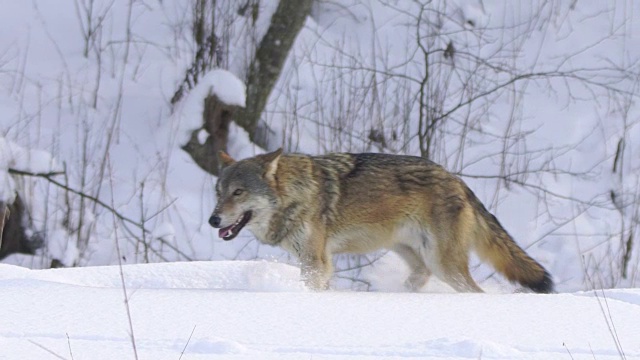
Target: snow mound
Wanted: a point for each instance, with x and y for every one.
(225, 85)
(255, 310)
(215, 275)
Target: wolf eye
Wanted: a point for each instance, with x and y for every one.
(238, 192)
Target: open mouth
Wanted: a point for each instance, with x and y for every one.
(231, 231)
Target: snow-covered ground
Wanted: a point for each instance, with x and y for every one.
(259, 310)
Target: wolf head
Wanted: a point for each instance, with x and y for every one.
(245, 194)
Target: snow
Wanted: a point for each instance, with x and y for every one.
(222, 83)
(165, 231)
(226, 86)
(14, 156)
(259, 310)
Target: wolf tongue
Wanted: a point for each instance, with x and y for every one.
(224, 232)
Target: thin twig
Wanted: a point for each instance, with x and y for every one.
(188, 341)
(142, 221)
(47, 350)
(40, 174)
(614, 334)
(124, 286)
(568, 351)
(48, 177)
(608, 318)
(69, 343)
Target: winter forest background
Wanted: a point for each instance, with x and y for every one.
(111, 111)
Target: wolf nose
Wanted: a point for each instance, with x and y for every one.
(214, 221)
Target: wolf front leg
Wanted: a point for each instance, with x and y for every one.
(317, 266)
(316, 272)
(420, 273)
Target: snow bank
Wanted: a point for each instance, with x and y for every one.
(53, 97)
(243, 310)
(219, 275)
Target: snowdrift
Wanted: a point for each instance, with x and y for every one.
(260, 310)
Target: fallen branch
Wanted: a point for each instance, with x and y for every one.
(125, 220)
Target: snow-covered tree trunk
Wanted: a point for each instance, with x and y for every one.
(264, 70)
(217, 117)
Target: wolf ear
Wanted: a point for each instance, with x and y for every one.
(271, 161)
(224, 158)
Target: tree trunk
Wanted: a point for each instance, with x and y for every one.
(14, 221)
(266, 67)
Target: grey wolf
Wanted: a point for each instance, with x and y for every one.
(317, 206)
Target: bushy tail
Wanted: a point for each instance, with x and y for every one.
(495, 246)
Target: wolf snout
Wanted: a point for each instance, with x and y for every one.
(214, 221)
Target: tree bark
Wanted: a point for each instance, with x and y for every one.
(14, 222)
(270, 57)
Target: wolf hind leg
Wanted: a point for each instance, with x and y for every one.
(458, 277)
(453, 239)
(420, 273)
(453, 266)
